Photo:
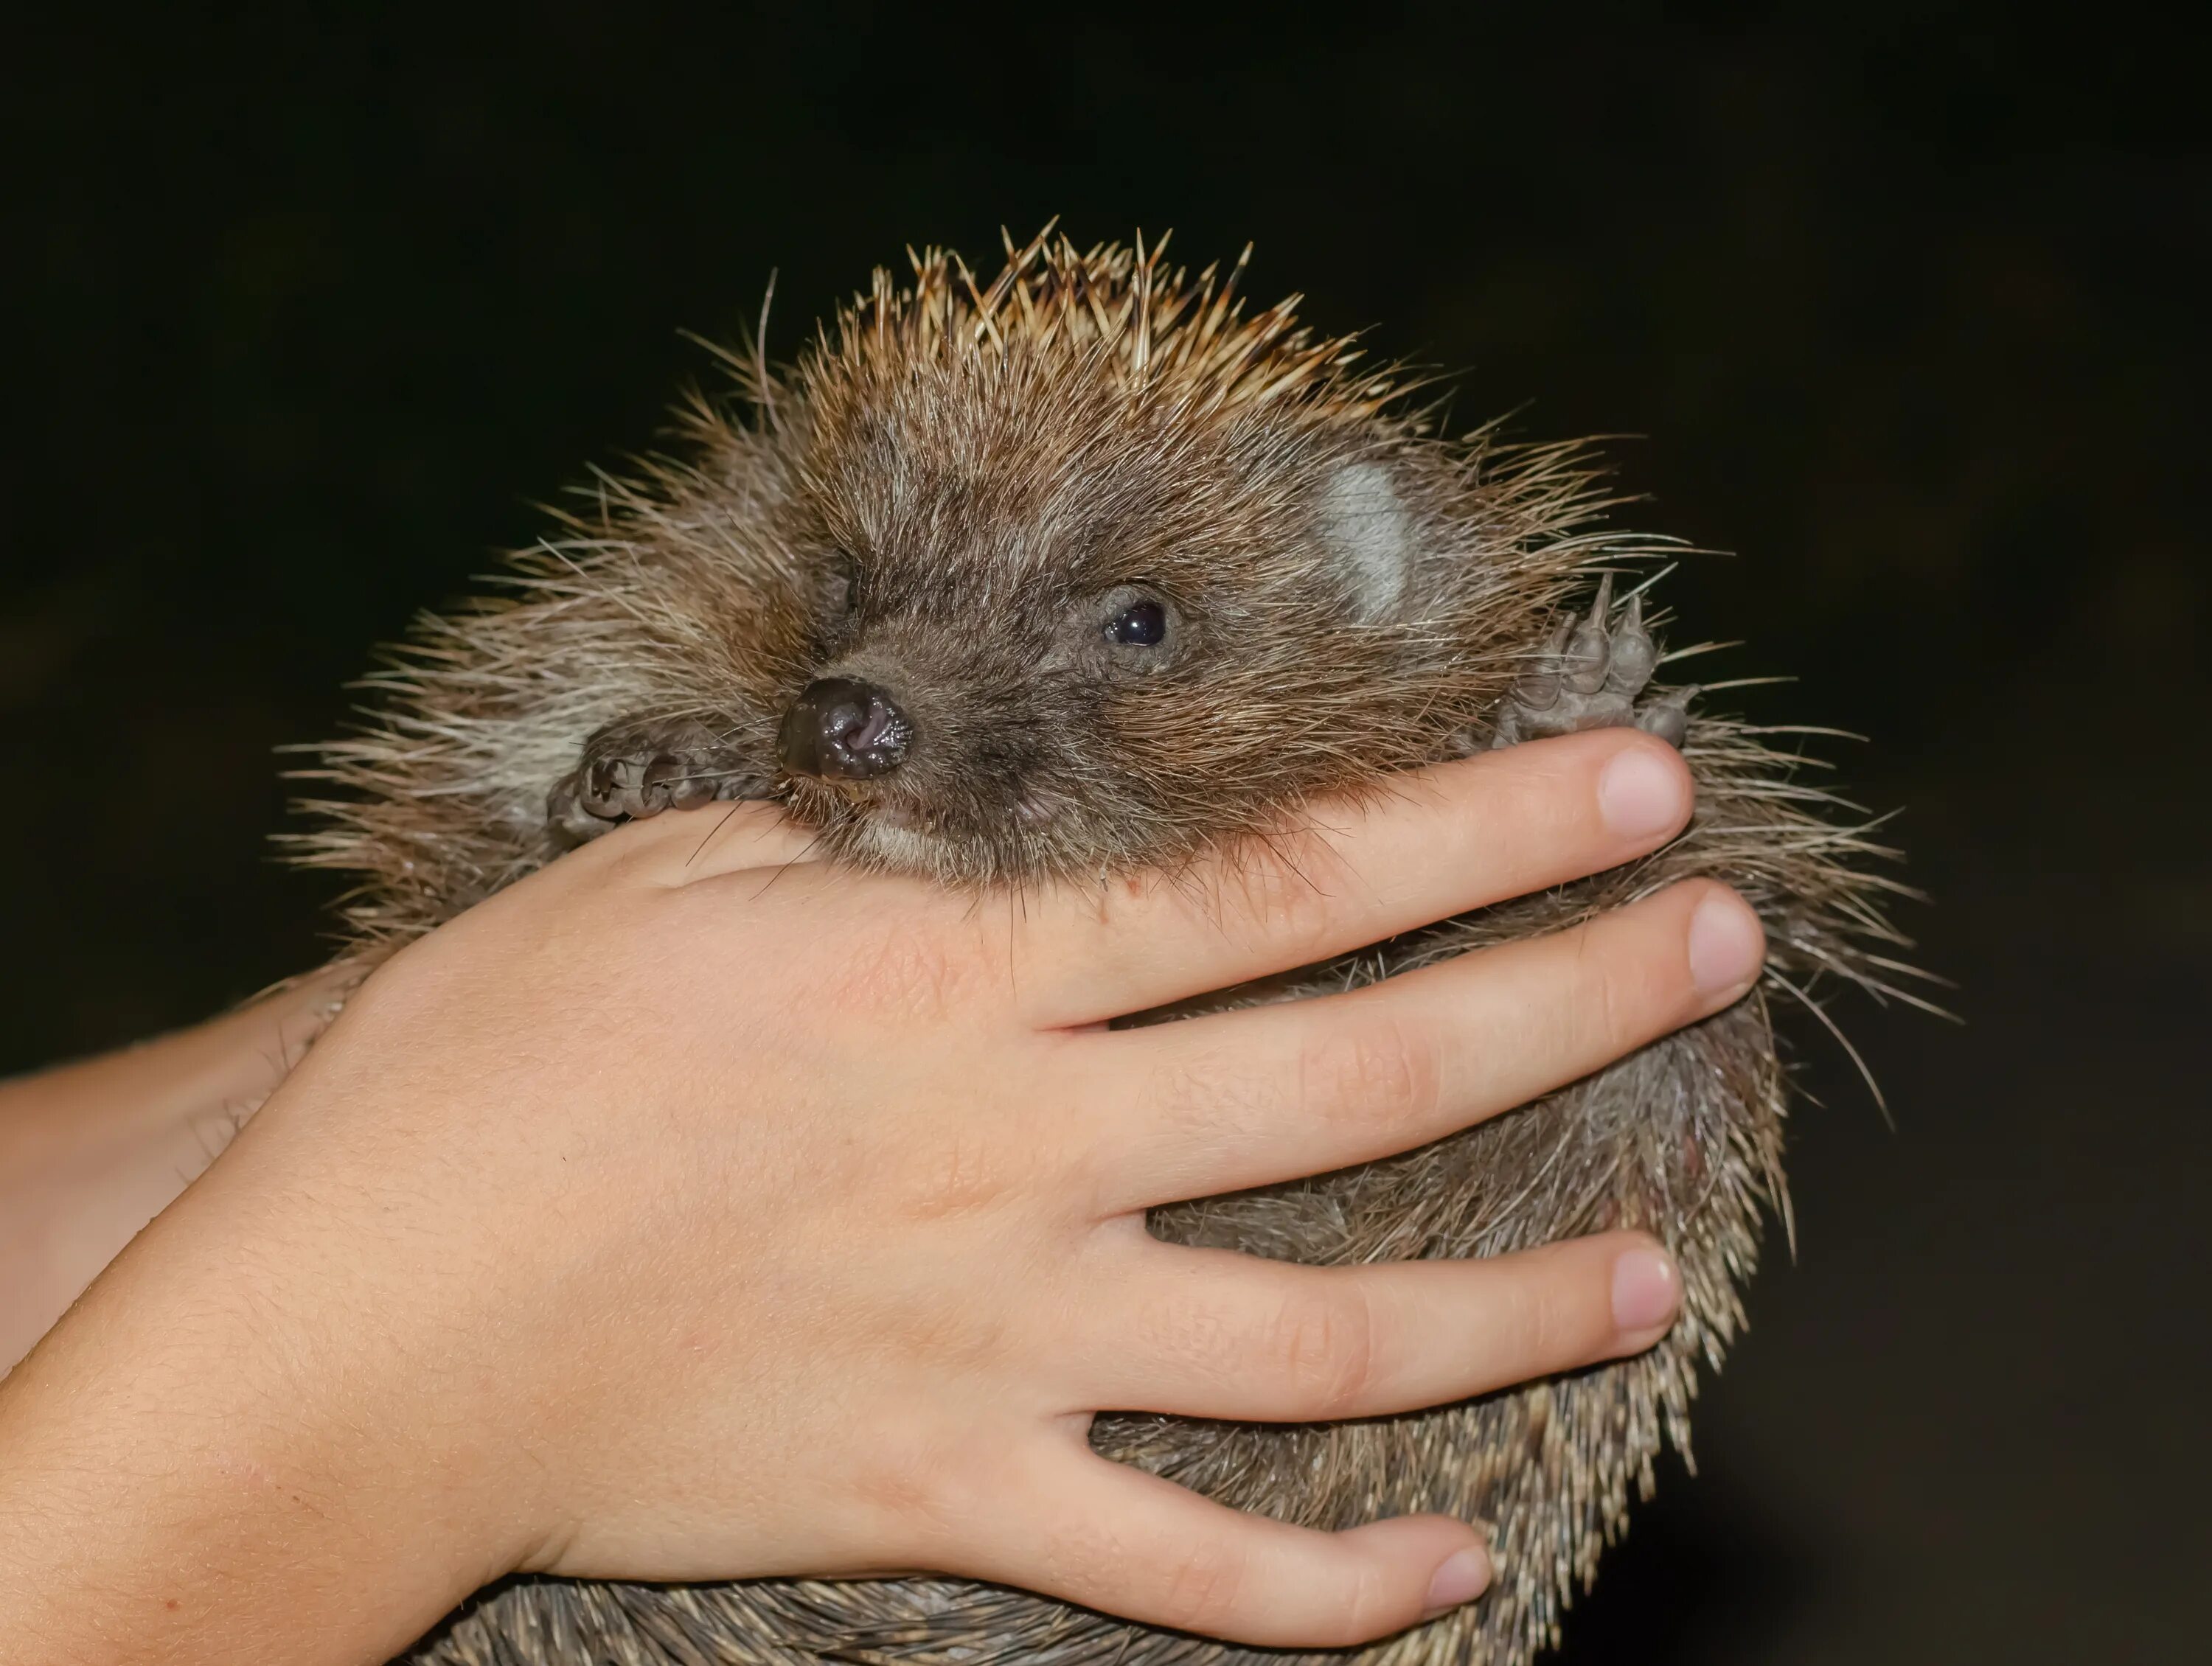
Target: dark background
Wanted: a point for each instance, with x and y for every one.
(302, 314)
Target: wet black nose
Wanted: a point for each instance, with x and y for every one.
(837, 727)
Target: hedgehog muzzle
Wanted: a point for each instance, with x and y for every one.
(841, 730)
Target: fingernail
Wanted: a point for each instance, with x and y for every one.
(1640, 794)
(1460, 1577)
(1647, 1289)
(1726, 943)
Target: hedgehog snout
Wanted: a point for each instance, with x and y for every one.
(843, 730)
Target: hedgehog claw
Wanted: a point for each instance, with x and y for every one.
(1668, 716)
(634, 770)
(1538, 690)
(1589, 650)
(1635, 656)
(1588, 676)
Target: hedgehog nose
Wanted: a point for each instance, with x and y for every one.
(844, 730)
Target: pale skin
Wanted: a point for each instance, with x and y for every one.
(695, 1210)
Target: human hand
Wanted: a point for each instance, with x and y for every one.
(691, 1210)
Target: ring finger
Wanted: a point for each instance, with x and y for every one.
(1212, 1333)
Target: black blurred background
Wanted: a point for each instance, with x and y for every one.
(303, 312)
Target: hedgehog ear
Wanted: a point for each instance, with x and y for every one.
(1369, 531)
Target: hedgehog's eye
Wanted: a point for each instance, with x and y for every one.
(837, 593)
(1131, 630)
(842, 583)
(1140, 625)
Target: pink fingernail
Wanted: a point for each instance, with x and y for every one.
(1647, 1289)
(1460, 1577)
(1726, 944)
(1641, 795)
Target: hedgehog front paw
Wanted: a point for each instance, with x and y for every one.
(1588, 676)
(634, 770)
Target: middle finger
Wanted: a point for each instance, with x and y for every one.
(1212, 1333)
(1243, 1099)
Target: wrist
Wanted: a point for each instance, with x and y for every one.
(90, 1152)
(211, 1461)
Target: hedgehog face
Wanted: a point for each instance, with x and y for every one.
(1081, 571)
(964, 736)
(1073, 631)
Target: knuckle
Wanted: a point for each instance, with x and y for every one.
(969, 1336)
(1540, 1324)
(1205, 1584)
(1553, 1321)
(1374, 1604)
(1611, 1010)
(965, 1175)
(1082, 1183)
(1325, 1345)
(912, 1486)
(1600, 1018)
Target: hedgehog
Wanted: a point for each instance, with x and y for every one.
(1091, 569)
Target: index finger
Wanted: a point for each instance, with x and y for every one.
(1454, 836)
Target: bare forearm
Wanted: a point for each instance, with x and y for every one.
(90, 1152)
(190, 1473)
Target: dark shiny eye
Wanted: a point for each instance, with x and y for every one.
(842, 582)
(1140, 625)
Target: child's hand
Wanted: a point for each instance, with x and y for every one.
(691, 1210)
